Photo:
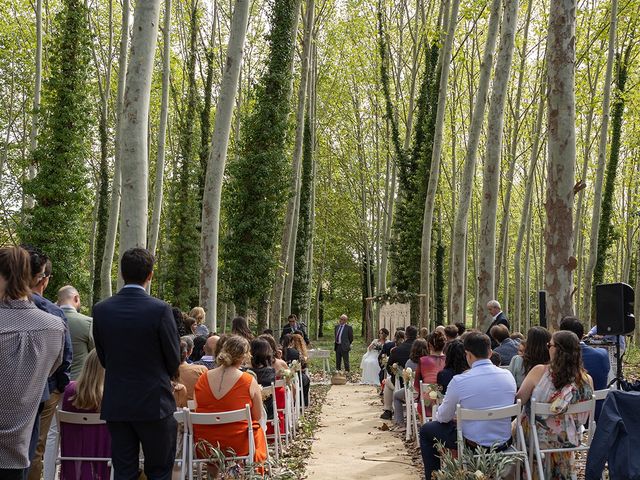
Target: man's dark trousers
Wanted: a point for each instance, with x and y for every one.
(158, 439)
(429, 433)
(342, 355)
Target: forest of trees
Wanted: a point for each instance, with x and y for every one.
(304, 156)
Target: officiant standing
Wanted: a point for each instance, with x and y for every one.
(343, 334)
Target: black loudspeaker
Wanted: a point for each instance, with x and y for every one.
(542, 310)
(614, 309)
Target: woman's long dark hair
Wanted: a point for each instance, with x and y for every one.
(261, 354)
(239, 326)
(456, 359)
(419, 349)
(566, 366)
(536, 351)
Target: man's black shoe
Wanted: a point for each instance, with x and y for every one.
(386, 415)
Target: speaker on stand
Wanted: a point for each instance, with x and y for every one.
(542, 308)
(614, 316)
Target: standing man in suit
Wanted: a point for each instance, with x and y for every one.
(343, 334)
(137, 343)
(294, 327)
(499, 318)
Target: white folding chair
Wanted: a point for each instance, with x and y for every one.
(544, 410)
(181, 417)
(191, 405)
(399, 372)
(411, 415)
(217, 419)
(324, 355)
(424, 389)
(75, 418)
(491, 415)
(301, 393)
(601, 394)
(275, 421)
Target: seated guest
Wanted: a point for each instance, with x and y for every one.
(517, 337)
(219, 344)
(188, 339)
(294, 348)
(208, 360)
(507, 347)
(261, 365)
(190, 325)
(450, 333)
(267, 331)
(198, 348)
(595, 360)
(535, 353)
(399, 354)
(239, 326)
(189, 373)
(564, 382)
(85, 396)
(461, 328)
(420, 349)
(484, 386)
(430, 365)
(424, 333)
(227, 388)
(178, 317)
(455, 364)
(199, 315)
(278, 363)
(495, 359)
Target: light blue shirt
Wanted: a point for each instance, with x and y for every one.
(482, 387)
(134, 285)
(610, 338)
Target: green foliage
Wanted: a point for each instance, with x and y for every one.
(182, 276)
(475, 464)
(58, 222)
(606, 233)
(258, 178)
(302, 275)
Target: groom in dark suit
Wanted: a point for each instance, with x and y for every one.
(343, 335)
(499, 318)
(137, 343)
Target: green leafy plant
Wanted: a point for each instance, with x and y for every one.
(474, 464)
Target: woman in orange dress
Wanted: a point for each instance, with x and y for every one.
(227, 388)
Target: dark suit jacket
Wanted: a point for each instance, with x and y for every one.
(299, 328)
(500, 319)
(399, 355)
(596, 363)
(137, 343)
(347, 337)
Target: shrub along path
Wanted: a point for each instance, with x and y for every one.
(349, 443)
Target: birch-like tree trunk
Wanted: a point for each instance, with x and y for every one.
(559, 260)
(290, 231)
(154, 230)
(429, 205)
(458, 257)
(217, 159)
(602, 159)
(33, 135)
(491, 170)
(114, 204)
(135, 121)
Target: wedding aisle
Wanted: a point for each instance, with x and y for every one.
(350, 445)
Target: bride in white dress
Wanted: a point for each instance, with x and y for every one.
(369, 364)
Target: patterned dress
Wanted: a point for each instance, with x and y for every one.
(558, 431)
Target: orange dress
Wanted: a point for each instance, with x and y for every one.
(231, 435)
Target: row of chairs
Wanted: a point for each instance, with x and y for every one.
(187, 458)
(535, 455)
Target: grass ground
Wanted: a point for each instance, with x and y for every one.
(358, 349)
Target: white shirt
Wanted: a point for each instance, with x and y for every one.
(482, 387)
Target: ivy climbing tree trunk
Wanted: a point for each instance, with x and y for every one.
(114, 204)
(602, 156)
(217, 160)
(427, 224)
(135, 119)
(459, 241)
(162, 130)
(491, 170)
(559, 260)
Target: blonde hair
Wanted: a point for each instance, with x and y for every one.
(90, 384)
(234, 350)
(199, 314)
(299, 345)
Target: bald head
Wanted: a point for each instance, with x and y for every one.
(210, 344)
(68, 295)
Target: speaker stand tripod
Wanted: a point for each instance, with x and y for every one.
(619, 375)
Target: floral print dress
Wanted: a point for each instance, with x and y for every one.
(558, 431)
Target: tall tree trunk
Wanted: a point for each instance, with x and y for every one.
(459, 241)
(289, 233)
(217, 159)
(162, 130)
(605, 236)
(33, 135)
(558, 235)
(491, 171)
(425, 260)
(135, 118)
(602, 156)
(114, 205)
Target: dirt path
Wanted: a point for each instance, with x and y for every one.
(349, 438)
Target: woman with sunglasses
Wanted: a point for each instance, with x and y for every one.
(562, 382)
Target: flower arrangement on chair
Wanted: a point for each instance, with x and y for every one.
(408, 375)
(433, 395)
